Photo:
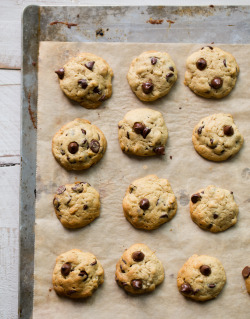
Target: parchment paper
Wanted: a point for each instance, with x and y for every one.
(110, 234)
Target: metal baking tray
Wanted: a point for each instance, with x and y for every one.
(152, 24)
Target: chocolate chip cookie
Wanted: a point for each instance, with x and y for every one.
(86, 79)
(213, 209)
(77, 274)
(149, 202)
(78, 145)
(143, 132)
(151, 75)
(246, 276)
(76, 205)
(139, 270)
(211, 72)
(201, 278)
(217, 138)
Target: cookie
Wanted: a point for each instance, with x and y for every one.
(213, 209)
(246, 276)
(76, 205)
(78, 145)
(143, 132)
(201, 278)
(149, 202)
(77, 274)
(139, 271)
(217, 138)
(211, 72)
(86, 79)
(151, 75)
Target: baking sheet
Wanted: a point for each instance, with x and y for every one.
(110, 234)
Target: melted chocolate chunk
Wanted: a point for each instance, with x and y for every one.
(164, 216)
(228, 130)
(128, 135)
(169, 75)
(212, 285)
(138, 127)
(246, 272)
(78, 188)
(153, 60)
(225, 62)
(65, 269)
(102, 98)
(209, 226)
(94, 146)
(56, 203)
(93, 263)
(96, 90)
(171, 68)
(85, 207)
(138, 256)
(147, 87)
(200, 129)
(83, 131)
(83, 83)
(186, 289)
(73, 147)
(195, 198)
(205, 270)
(215, 216)
(216, 83)
(123, 271)
(71, 292)
(84, 275)
(90, 65)
(85, 144)
(201, 64)
(144, 204)
(136, 283)
(160, 150)
(61, 189)
(146, 131)
(60, 73)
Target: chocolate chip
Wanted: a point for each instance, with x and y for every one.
(85, 207)
(96, 90)
(89, 65)
(138, 255)
(171, 68)
(93, 263)
(169, 75)
(209, 226)
(216, 83)
(186, 289)
(62, 152)
(61, 189)
(195, 198)
(147, 87)
(205, 270)
(146, 131)
(231, 193)
(153, 60)
(84, 144)
(212, 285)
(201, 64)
(71, 292)
(123, 271)
(211, 48)
(138, 127)
(73, 147)
(60, 73)
(83, 131)
(56, 203)
(225, 63)
(94, 146)
(83, 83)
(164, 216)
(228, 130)
(215, 216)
(78, 188)
(200, 129)
(160, 150)
(136, 283)
(144, 204)
(84, 275)
(246, 272)
(65, 269)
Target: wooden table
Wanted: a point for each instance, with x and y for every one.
(10, 87)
